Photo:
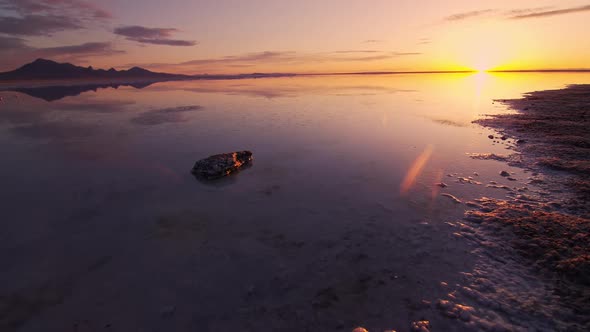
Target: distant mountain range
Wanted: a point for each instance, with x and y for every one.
(43, 69)
(48, 70)
(50, 80)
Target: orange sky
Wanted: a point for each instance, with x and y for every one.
(234, 36)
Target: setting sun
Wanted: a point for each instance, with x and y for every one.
(385, 36)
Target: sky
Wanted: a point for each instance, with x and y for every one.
(304, 36)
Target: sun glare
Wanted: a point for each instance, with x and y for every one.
(484, 63)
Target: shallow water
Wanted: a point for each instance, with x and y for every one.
(337, 223)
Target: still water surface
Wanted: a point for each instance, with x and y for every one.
(337, 223)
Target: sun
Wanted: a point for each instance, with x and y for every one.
(483, 66)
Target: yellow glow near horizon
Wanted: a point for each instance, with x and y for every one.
(309, 36)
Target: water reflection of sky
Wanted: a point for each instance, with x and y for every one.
(103, 167)
(359, 116)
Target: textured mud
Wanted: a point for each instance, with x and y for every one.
(535, 243)
(551, 131)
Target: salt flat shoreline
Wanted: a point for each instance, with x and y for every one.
(552, 126)
(549, 232)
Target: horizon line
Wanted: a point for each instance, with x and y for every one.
(393, 72)
(380, 72)
(466, 71)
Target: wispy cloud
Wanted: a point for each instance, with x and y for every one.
(424, 41)
(524, 11)
(46, 17)
(83, 8)
(266, 56)
(43, 18)
(372, 41)
(37, 25)
(157, 36)
(11, 43)
(19, 45)
(519, 13)
(283, 59)
(290, 57)
(76, 51)
(469, 14)
(355, 51)
(15, 51)
(546, 13)
(395, 54)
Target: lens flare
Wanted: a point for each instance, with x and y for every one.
(416, 169)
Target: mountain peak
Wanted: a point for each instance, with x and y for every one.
(138, 70)
(42, 63)
(41, 60)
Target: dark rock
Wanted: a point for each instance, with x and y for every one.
(504, 138)
(491, 136)
(520, 141)
(220, 165)
(504, 173)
